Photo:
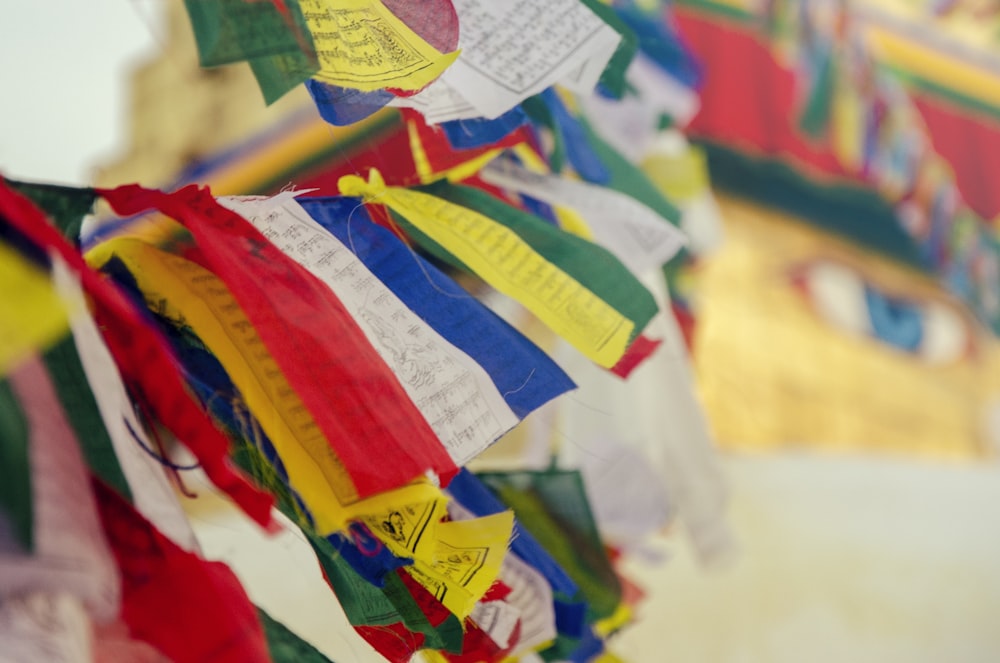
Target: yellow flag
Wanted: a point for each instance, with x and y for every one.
(467, 559)
(32, 315)
(508, 263)
(362, 45)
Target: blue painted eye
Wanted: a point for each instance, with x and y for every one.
(929, 328)
(898, 322)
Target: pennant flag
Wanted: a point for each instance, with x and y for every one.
(480, 132)
(512, 49)
(204, 599)
(77, 399)
(530, 600)
(65, 206)
(277, 75)
(363, 45)
(373, 420)
(32, 315)
(525, 376)
(436, 21)
(555, 275)
(439, 103)
(48, 626)
(612, 80)
(467, 560)
(640, 238)
(342, 106)
(366, 554)
(69, 553)
(397, 620)
(233, 30)
(569, 137)
(659, 41)
(16, 512)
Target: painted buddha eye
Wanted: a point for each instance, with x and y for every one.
(926, 327)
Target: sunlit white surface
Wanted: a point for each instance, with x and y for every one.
(63, 77)
(843, 559)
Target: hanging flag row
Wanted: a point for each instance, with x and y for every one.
(449, 60)
(310, 358)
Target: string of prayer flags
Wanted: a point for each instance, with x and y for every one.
(524, 375)
(185, 291)
(453, 392)
(599, 310)
(293, 313)
(143, 358)
(405, 520)
(362, 45)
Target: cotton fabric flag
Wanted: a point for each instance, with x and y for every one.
(364, 46)
(598, 311)
(512, 49)
(204, 600)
